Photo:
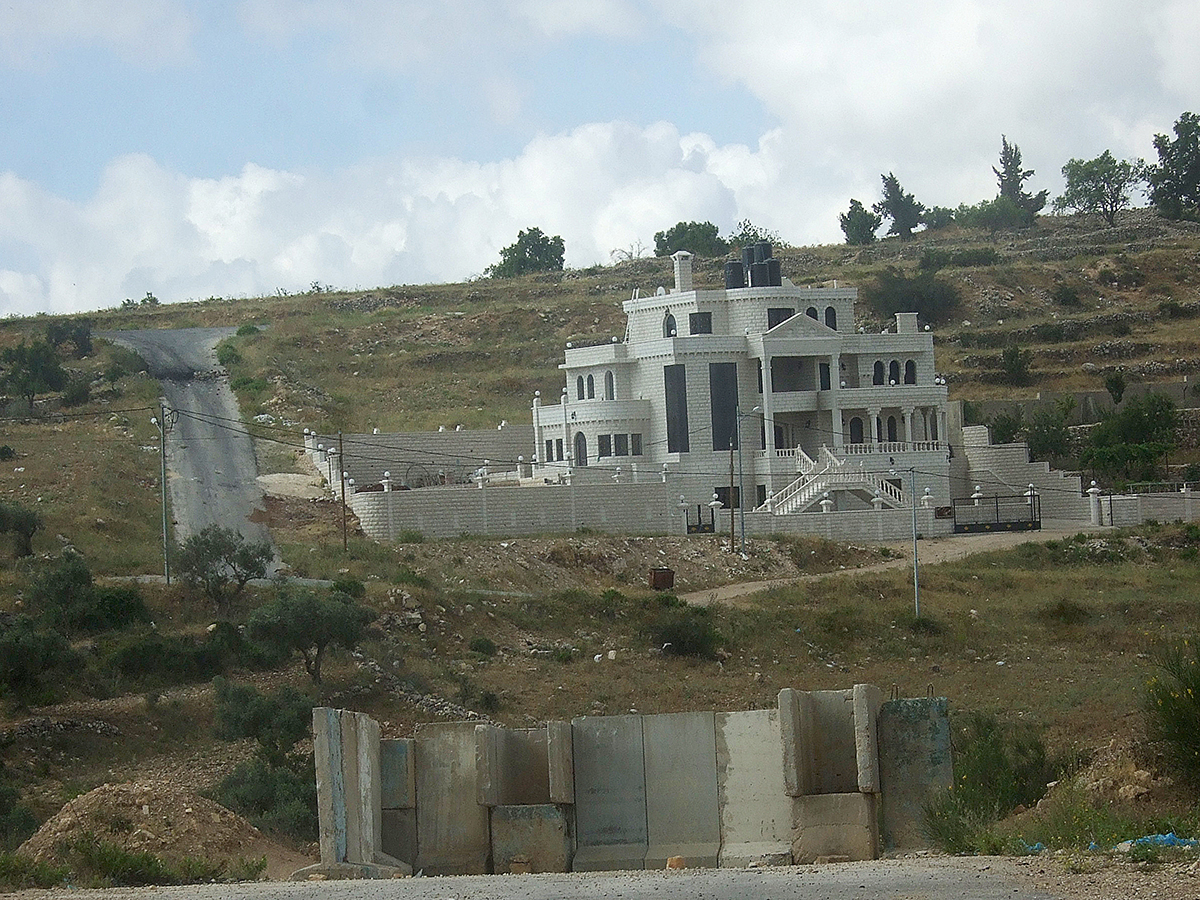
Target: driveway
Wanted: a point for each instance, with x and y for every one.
(210, 457)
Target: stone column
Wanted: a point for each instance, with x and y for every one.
(873, 420)
(941, 423)
(907, 412)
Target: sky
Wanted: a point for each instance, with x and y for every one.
(231, 148)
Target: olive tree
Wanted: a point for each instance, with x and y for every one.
(220, 562)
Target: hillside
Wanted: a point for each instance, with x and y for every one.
(1060, 634)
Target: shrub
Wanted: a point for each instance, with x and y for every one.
(247, 330)
(893, 291)
(483, 645)
(220, 562)
(30, 656)
(278, 800)
(1064, 612)
(351, 587)
(1065, 294)
(1172, 706)
(77, 392)
(1014, 365)
(276, 721)
(228, 355)
(16, 821)
(115, 866)
(22, 523)
(686, 631)
(68, 599)
(7, 453)
(150, 657)
(308, 624)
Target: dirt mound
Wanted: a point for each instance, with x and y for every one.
(159, 818)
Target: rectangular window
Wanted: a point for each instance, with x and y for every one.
(635, 445)
(824, 370)
(779, 314)
(723, 494)
(605, 445)
(675, 393)
(558, 449)
(620, 445)
(723, 396)
(760, 492)
(700, 323)
(549, 457)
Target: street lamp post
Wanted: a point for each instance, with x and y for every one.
(163, 423)
(741, 477)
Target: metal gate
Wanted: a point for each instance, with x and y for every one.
(700, 526)
(998, 512)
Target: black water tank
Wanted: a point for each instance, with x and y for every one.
(760, 275)
(774, 273)
(735, 275)
(747, 257)
(762, 251)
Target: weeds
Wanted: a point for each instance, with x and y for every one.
(1172, 706)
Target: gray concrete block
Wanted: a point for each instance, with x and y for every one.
(915, 764)
(540, 836)
(397, 774)
(350, 777)
(756, 813)
(560, 759)
(682, 817)
(836, 825)
(513, 768)
(331, 788)
(399, 834)
(610, 793)
(452, 828)
(867, 700)
(834, 751)
(796, 732)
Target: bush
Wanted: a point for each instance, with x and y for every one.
(1014, 365)
(308, 624)
(220, 562)
(7, 453)
(483, 645)
(69, 600)
(228, 355)
(247, 330)
(1065, 295)
(18, 872)
(893, 291)
(276, 721)
(16, 821)
(686, 631)
(77, 392)
(1172, 706)
(150, 657)
(30, 657)
(351, 587)
(278, 800)
(22, 523)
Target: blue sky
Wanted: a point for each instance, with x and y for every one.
(235, 147)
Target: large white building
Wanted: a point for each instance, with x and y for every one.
(763, 386)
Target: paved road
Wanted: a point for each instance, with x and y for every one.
(929, 878)
(210, 459)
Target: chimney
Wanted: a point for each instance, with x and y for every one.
(683, 270)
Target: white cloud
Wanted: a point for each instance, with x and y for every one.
(148, 32)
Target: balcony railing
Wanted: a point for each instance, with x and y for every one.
(894, 447)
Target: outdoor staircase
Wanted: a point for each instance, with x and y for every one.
(831, 473)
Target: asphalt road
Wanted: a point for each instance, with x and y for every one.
(210, 458)
(926, 878)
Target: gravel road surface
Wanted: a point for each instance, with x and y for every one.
(916, 878)
(210, 459)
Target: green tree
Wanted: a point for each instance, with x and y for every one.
(77, 332)
(306, 623)
(1114, 383)
(1047, 435)
(746, 233)
(69, 600)
(1011, 178)
(1099, 185)
(1175, 180)
(31, 657)
(932, 298)
(532, 252)
(1014, 365)
(903, 209)
(31, 369)
(22, 523)
(1131, 443)
(700, 238)
(220, 562)
(859, 224)
(277, 721)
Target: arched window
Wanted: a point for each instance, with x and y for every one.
(831, 318)
(894, 372)
(878, 374)
(811, 312)
(610, 386)
(891, 429)
(579, 388)
(669, 325)
(910, 372)
(591, 383)
(580, 449)
(856, 430)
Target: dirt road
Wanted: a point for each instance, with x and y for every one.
(929, 878)
(211, 461)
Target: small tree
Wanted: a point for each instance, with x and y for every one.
(1175, 180)
(1114, 383)
(220, 562)
(903, 209)
(532, 252)
(306, 623)
(1131, 443)
(1011, 178)
(893, 291)
(277, 721)
(1014, 365)
(22, 524)
(77, 332)
(746, 233)
(31, 369)
(700, 238)
(1099, 185)
(859, 224)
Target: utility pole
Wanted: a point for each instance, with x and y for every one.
(163, 422)
(731, 537)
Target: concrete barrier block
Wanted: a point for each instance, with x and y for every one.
(834, 752)
(682, 817)
(610, 793)
(331, 788)
(914, 764)
(399, 834)
(452, 829)
(844, 826)
(756, 813)
(350, 777)
(398, 774)
(369, 810)
(560, 760)
(867, 700)
(796, 732)
(530, 839)
(512, 765)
